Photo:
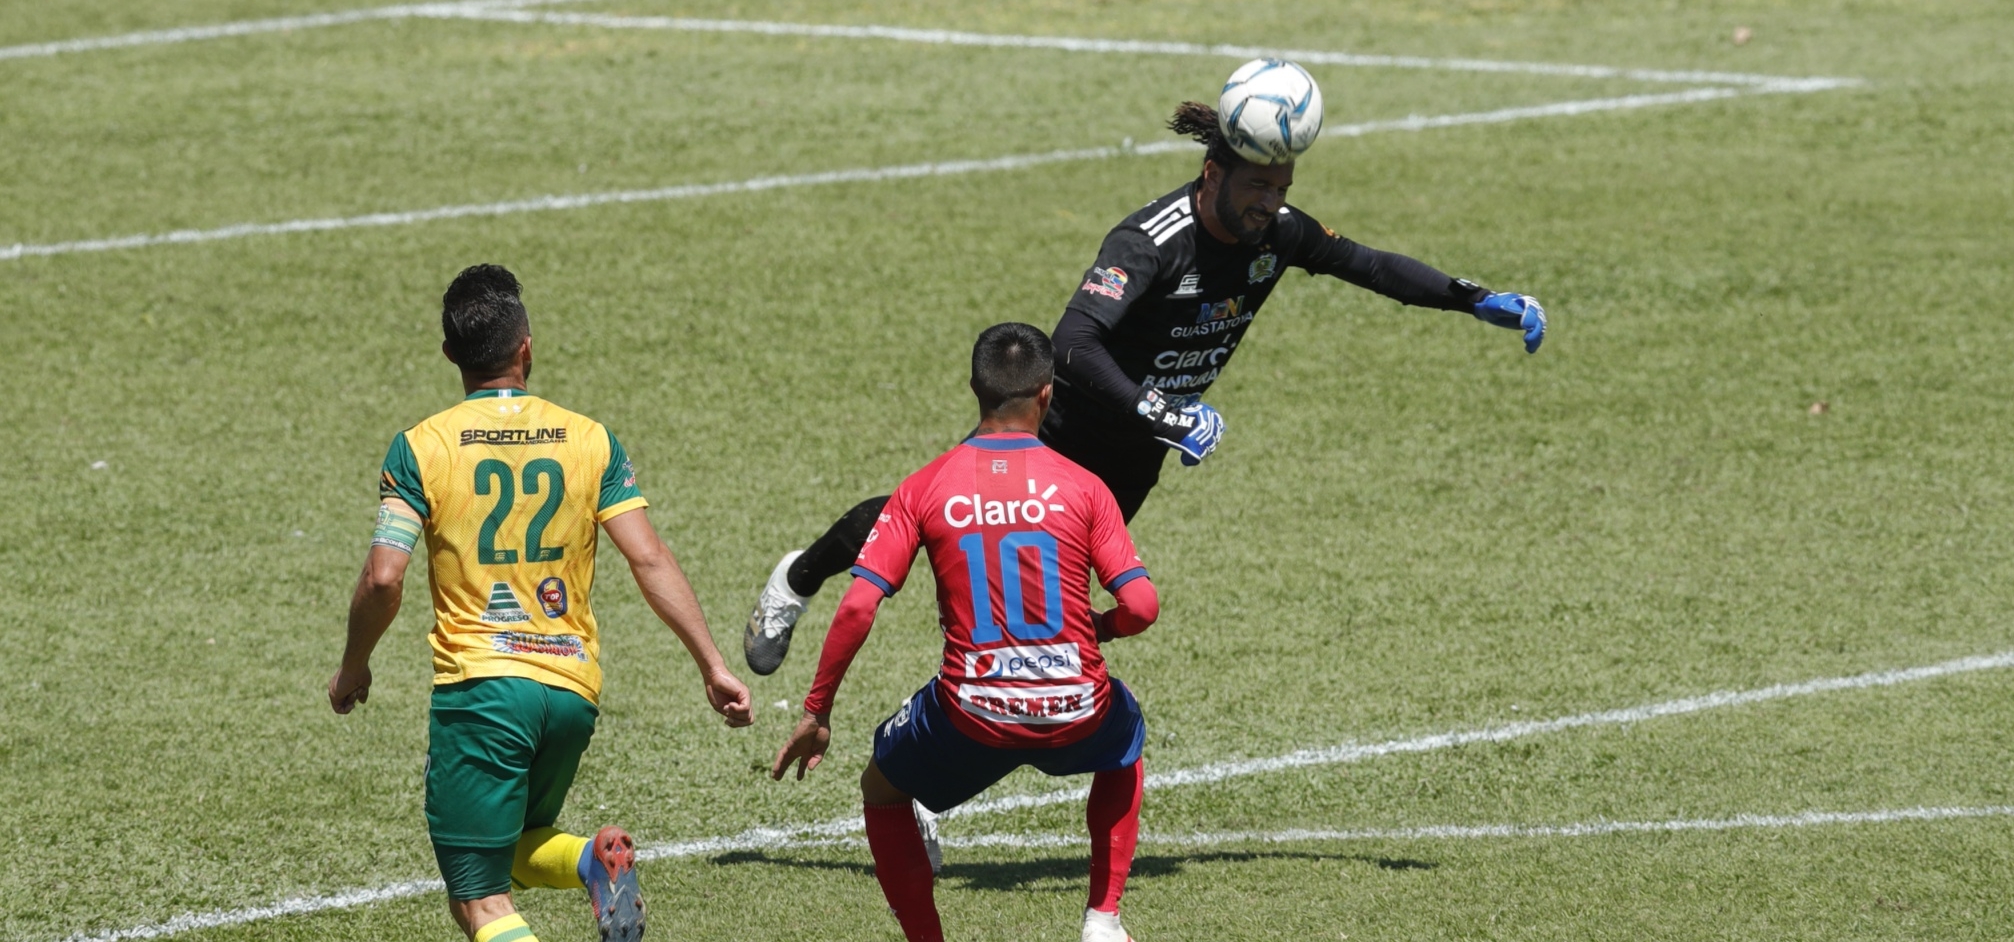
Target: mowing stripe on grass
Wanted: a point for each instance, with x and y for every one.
(160, 37)
(1138, 47)
(839, 830)
(862, 175)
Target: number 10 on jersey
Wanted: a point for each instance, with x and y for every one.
(1007, 553)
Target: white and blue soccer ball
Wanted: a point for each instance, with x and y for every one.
(1270, 111)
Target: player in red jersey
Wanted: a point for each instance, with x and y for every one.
(1014, 532)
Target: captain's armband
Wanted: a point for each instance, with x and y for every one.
(398, 530)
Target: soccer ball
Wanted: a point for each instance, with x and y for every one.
(1270, 111)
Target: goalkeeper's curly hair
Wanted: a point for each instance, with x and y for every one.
(1198, 121)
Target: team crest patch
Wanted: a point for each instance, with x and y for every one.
(899, 720)
(1263, 268)
(503, 607)
(552, 596)
(1110, 282)
(524, 642)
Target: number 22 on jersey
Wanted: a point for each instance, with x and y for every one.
(496, 477)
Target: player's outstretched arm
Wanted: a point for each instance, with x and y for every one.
(668, 593)
(374, 604)
(850, 625)
(1411, 281)
(1139, 606)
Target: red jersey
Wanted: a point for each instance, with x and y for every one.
(1014, 532)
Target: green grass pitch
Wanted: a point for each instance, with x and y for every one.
(1412, 527)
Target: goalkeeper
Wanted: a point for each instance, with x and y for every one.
(1158, 317)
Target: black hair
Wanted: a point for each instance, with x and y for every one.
(483, 320)
(1199, 121)
(1011, 361)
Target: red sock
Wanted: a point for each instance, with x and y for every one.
(1113, 817)
(903, 868)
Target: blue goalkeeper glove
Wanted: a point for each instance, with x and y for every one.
(1517, 312)
(1193, 429)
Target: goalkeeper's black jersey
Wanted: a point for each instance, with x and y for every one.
(1166, 304)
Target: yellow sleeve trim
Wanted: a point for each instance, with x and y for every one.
(613, 511)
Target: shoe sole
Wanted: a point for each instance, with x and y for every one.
(616, 896)
(764, 655)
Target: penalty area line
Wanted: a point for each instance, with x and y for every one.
(1469, 831)
(1427, 832)
(283, 24)
(945, 37)
(514, 11)
(1358, 752)
(947, 168)
(841, 830)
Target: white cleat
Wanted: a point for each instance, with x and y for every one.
(926, 825)
(767, 638)
(1104, 927)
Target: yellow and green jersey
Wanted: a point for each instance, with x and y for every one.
(511, 488)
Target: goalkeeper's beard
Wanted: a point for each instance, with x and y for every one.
(1234, 221)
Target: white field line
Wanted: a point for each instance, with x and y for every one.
(189, 922)
(1443, 831)
(1469, 831)
(160, 37)
(1139, 47)
(511, 11)
(1357, 752)
(192, 922)
(861, 175)
(840, 830)
(1585, 829)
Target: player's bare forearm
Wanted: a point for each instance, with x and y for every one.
(380, 588)
(372, 607)
(668, 593)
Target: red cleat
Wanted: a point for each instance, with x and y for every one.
(612, 887)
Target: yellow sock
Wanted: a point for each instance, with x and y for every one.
(549, 858)
(510, 928)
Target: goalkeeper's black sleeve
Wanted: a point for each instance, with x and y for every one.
(1401, 278)
(1084, 361)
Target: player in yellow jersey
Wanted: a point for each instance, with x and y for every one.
(507, 490)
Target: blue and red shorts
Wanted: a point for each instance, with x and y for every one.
(920, 752)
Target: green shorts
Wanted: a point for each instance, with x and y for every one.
(501, 754)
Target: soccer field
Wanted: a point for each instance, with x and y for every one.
(1694, 625)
